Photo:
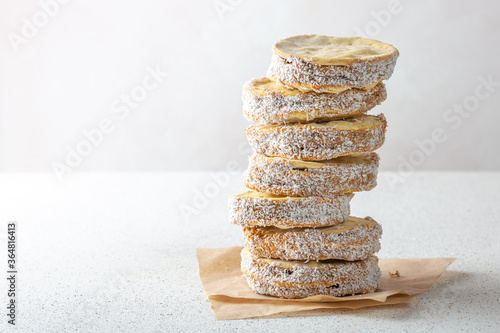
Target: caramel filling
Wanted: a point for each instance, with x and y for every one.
(256, 194)
(350, 159)
(265, 86)
(355, 123)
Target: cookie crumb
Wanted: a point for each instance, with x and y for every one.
(394, 275)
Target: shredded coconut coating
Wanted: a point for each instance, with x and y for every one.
(298, 73)
(289, 177)
(277, 108)
(288, 212)
(363, 285)
(316, 141)
(297, 280)
(356, 239)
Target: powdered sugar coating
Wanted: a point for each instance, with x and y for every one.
(289, 177)
(356, 239)
(317, 142)
(277, 108)
(295, 280)
(298, 73)
(291, 212)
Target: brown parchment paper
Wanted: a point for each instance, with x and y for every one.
(232, 298)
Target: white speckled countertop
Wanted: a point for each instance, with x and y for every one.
(112, 253)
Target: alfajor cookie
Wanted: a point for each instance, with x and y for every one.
(355, 239)
(267, 102)
(297, 279)
(252, 208)
(331, 64)
(319, 141)
(289, 177)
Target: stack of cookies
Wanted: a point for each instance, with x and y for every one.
(314, 147)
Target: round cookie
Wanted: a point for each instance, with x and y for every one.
(252, 208)
(331, 64)
(297, 279)
(288, 177)
(355, 239)
(267, 102)
(319, 141)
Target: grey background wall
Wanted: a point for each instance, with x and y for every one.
(156, 85)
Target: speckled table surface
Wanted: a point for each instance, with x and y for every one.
(116, 252)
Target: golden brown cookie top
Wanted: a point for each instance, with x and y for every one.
(327, 50)
(350, 224)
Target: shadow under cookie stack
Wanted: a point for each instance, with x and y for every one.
(314, 147)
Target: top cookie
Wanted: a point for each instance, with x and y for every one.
(327, 50)
(331, 64)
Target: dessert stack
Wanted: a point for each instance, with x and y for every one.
(314, 147)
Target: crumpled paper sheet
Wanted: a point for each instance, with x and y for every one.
(232, 298)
